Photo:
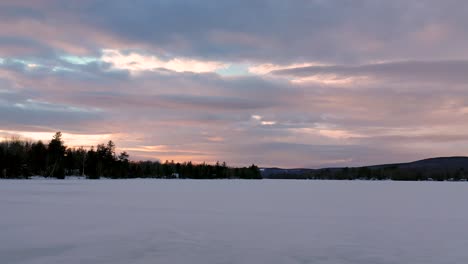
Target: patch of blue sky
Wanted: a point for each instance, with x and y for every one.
(46, 106)
(78, 60)
(26, 62)
(60, 68)
(235, 69)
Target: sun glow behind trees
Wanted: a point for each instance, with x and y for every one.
(22, 159)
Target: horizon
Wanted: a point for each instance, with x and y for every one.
(89, 147)
(311, 84)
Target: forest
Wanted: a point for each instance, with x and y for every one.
(21, 158)
(446, 169)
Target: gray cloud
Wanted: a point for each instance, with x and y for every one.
(332, 31)
(185, 108)
(264, 29)
(24, 114)
(413, 106)
(420, 71)
(215, 102)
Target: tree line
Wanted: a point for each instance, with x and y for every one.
(23, 159)
(395, 173)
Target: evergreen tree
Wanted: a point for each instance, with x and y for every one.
(56, 153)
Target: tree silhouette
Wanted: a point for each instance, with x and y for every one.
(56, 153)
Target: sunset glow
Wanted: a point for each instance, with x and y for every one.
(322, 84)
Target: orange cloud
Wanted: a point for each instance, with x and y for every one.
(135, 62)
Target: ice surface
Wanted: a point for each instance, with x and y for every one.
(232, 221)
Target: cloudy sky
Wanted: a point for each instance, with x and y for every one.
(276, 83)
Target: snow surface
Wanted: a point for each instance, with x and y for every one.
(232, 221)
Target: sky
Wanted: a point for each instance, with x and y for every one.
(276, 83)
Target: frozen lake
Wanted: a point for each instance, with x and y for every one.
(232, 221)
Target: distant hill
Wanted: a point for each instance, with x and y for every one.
(437, 163)
(440, 168)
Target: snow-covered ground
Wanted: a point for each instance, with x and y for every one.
(232, 221)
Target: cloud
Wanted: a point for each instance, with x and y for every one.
(297, 84)
(256, 117)
(59, 117)
(218, 103)
(135, 62)
(403, 71)
(268, 123)
(257, 31)
(194, 111)
(269, 67)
